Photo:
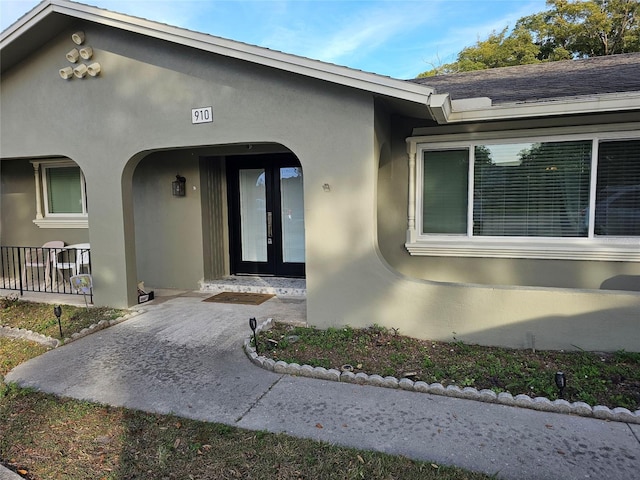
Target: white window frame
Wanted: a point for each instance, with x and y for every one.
(600, 248)
(45, 218)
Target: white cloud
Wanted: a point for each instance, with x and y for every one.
(362, 34)
(391, 37)
(347, 30)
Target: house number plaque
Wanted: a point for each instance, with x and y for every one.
(202, 115)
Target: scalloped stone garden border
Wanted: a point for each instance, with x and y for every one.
(618, 414)
(13, 332)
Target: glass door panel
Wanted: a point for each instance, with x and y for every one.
(266, 215)
(292, 215)
(253, 215)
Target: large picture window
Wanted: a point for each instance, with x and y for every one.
(531, 189)
(528, 198)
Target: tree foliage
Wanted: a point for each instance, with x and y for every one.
(568, 29)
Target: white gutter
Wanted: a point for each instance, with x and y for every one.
(447, 111)
(337, 74)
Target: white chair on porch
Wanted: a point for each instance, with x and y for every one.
(75, 263)
(41, 257)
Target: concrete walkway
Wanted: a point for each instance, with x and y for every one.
(184, 356)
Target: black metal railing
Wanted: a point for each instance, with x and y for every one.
(42, 269)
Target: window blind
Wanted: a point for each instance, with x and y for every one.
(64, 190)
(531, 189)
(445, 186)
(618, 189)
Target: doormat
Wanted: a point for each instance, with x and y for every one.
(240, 298)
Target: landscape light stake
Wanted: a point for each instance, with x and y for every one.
(561, 382)
(252, 325)
(57, 311)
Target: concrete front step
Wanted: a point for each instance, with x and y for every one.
(281, 287)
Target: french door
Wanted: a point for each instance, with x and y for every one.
(266, 215)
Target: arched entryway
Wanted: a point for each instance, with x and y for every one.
(242, 212)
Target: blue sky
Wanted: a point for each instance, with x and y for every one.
(398, 38)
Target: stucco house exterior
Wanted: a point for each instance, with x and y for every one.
(501, 206)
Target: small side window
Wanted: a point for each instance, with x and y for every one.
(61, 200)
(65, 191)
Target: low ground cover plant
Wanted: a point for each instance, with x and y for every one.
(40, 318)
(610, 379)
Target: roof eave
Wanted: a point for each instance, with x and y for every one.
(376, 84)
(444, 110)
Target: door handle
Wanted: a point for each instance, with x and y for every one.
(269, 224)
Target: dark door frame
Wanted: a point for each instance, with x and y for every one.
(274, 265)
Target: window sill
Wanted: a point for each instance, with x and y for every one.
(611, 250)
(62, 222)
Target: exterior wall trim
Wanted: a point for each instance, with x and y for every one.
(578, 250)
(444, 110)
(594, 249)
(61, 223)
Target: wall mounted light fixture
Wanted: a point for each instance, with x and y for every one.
(78, 38)
(179, 186)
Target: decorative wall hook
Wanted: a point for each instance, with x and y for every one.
(86, 53)
(80, 71)
(66, 73)
(78, 38)
(94, 69)
(73, 55)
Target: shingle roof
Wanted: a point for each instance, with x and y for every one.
(544, 81)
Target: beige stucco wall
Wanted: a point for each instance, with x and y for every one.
(520, 303)
(380, 283)
(357, 271)
(168, 233)
(142, 102)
